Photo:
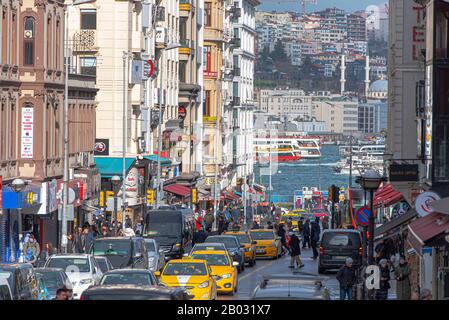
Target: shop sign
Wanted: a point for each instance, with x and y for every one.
(27, 133)
(404, 173)
(101, 147)
(424, 201)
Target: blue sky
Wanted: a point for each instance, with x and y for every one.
(293, 5)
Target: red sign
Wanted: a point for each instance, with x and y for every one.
(362, 216)
(151, 64)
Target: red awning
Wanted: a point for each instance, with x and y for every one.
(386, 196)
(178, 189)
(230, 196)
(426, 228)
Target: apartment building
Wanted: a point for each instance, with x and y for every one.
(284, 102)
(32, 90)
(339, 114)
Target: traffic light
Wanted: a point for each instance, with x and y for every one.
(194, 195)
(150, 196)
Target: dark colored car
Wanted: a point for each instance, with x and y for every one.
(138, 277)
(133, 292)
(21, 279)
(291, 287)
(234, 247)
(104, 263)
(338, 245)
(53, 279)
(122, 252)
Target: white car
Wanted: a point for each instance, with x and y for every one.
(82, 270)
(5, 290)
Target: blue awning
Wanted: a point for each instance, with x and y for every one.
(111, 166)
(164, 161)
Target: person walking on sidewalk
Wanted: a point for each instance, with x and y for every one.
(382, 292)
(346, 276)
(306, 234)
(402, 272)
(315, 236)
(295, 251)
(209, 219)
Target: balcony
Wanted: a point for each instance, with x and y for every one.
(236, 72)
(236, 12)
(236, 101)
(85, 41)
(209, 120)
(236, 42)
(186, 5)
(187, 47)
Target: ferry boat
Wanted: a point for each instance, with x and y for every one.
(309, 148)
(270, 150)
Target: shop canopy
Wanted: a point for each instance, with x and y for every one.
(397, 223)
(426, 228)
(386, 196)
(164, 161)
(112, 166)
(230, 196)
(178, 190)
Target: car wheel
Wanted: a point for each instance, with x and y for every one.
(236, 289)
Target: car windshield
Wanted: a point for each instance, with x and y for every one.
(126, 297)
(52, 280)
(140, 279)
(262, 235)
(70, 264)
(103, 265)
(228, 242)
(111, 247)
(164, 229)
(185, 269)
(243, 238)
(341, 239)
(150, 246)
(215, 247)
(212, 259)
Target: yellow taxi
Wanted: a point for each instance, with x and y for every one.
(223, 268)
(248, 243)
(268, 244)
(192, 274)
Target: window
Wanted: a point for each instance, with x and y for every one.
(182, 71)
(29, 41)
(206, 104)
(49, 44)
(4, 38)
(88, 66)
(207, 61)
(88, 19)
(208, 14)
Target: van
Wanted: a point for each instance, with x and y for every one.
(173, 228)
(122, 252)
(338, 245)
(21, 279)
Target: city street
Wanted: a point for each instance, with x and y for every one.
(251, 277)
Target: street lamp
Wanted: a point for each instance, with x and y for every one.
(115, 180)
(159, 133)
(18, 185)
(370, 181)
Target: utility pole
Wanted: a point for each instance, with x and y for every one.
(217, 131)
(159, 133)
(125, 133)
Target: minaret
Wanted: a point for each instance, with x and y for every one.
(343, 74)
(367, 70)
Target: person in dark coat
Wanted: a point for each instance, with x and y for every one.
(255, 226)
(381, 251)
(315, 236)
(402, 273)
(295, 251)
(382, 292)
(199, 236)
(306, 234)
(347, 278)
(281, 233)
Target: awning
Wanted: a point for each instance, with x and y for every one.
(230, 196)
(173, 124)
(395, 223)
(111, 166)
(426, 228)
(178, 190)
(164, 161)
(386, 196)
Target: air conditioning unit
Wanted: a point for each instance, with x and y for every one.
(28, 34)
(161, 37)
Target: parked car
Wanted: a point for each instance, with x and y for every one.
(156, 257)
(122, 252)
(337, 245)
(133, 292)
(104, 263)
(54, 279)
(21, 279)
(81, 269)
(233, 246)
(5, 289)
(139, 277)
(291, 287)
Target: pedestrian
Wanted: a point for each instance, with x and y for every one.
(77, 239)
(425, 294)
(138, 226)
(104, 232)
(128, 222)
(270, 225)
(221, 222)
(281, 234)
(199, 236)
(31, 249)
(46, 253)
(295, 251)
(87, 238)
(347, 278)
(384, 285)
(381, 251)
(61, 294)
(70, 243)
(315, 237)
(256, 225)
(235, 213)
(325, 223)
(402, 273)
(209, 219)
(306, 234)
